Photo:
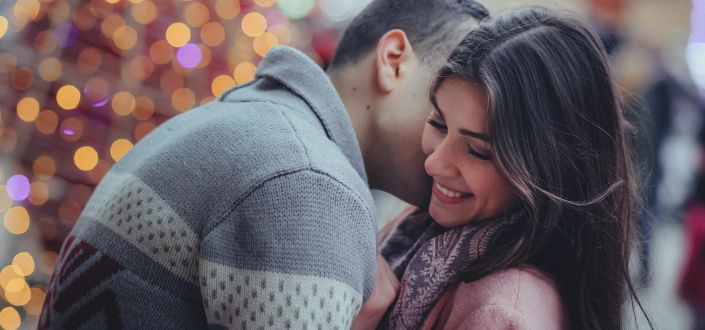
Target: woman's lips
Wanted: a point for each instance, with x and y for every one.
(446, 195)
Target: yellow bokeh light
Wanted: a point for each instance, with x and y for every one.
(254, 24)
(144, 12)
(39, 193)
(196, 14)
(17, 292)
(178, 34)
(227, 9)
(112, 1)
(3, 26)
(17, 220)
(26, 10)
(9, 273)
(123, 103)
(68, 97)
(244, 72)
(28, 109)
(25, 262)
(10, 318)
(265, 3)
(183, 99)
(44, 167)
(212, 34)
(50, 69)
(85, 158)
(264, 43)
(125, 37)
(221, 83)
(119, 148)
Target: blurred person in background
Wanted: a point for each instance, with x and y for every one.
(254, 209)
(534, 201)
(691, 286)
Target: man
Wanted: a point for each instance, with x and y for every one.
(254, 210)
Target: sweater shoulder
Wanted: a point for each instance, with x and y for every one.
(523, 297)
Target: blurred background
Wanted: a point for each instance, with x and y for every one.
(82, 81)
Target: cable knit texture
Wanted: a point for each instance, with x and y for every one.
(249, 212)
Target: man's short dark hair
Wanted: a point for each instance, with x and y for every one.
(434, 27)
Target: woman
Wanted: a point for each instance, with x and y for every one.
(533, 196)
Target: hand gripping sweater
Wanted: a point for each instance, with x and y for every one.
(249, 212)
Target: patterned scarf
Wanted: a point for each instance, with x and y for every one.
(429, 259)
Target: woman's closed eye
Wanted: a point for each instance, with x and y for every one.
(438, 125)
(444, 129)
(477, 154)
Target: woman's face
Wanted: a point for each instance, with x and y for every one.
(466, 184)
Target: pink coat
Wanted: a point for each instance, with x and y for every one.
(514, 298)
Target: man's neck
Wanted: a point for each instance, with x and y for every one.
(357, 100)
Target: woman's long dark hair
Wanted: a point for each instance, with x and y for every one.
(558, 137)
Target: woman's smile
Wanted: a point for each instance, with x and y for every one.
(446, 195)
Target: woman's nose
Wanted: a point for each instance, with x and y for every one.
(440, 162)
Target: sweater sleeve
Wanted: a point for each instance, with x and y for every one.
(297, 252)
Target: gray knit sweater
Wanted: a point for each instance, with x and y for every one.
(251, 211)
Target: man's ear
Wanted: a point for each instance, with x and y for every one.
(393, 57)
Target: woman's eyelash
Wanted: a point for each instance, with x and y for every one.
(477, 155)
(444, 128)
(437, 125)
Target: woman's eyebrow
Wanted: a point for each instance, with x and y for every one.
(462, 131)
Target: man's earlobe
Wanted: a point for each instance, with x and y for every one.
(392, 51)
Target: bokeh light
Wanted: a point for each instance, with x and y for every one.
(16, 220)
(3, 26)
(196, 14)
(24, 262)
(39, 193)
(212, 34)
(28, 109)
(123, 103)
(71, 129)
(265, 3)
(222, 83)
(263, 43)
(254, 24)
(17, 187)
(85, 158)
(183, 99)
(244, 72)
(10, 318)
(296, 9)
(46, 122)
(68, 97)
(119, 148)
(44, 167)
(227, 9)
(50, 69)
(125, 37)
(178, 34)
(144, 108)
(189, 56)
(144, 12)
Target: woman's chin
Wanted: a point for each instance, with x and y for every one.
(445, 218)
